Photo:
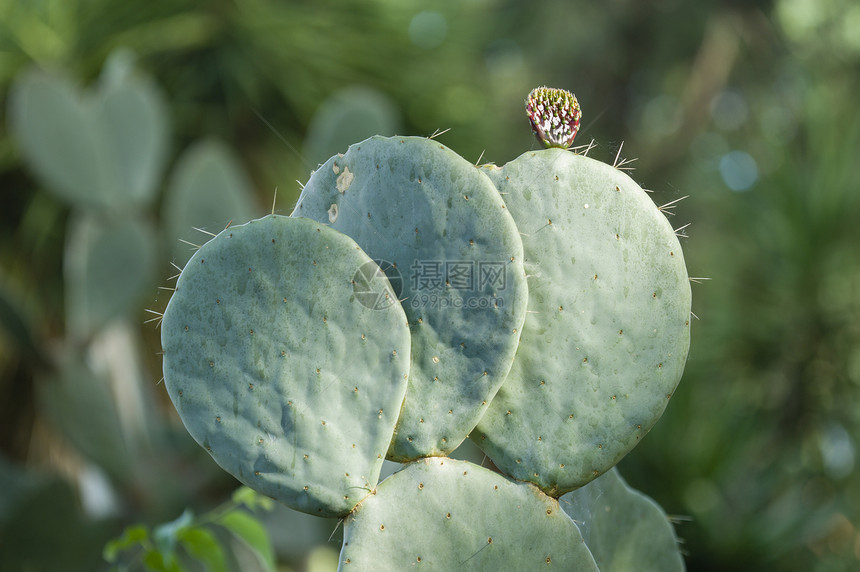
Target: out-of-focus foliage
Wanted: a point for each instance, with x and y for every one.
(747, 107)
(174, 546)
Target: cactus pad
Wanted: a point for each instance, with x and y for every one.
(103, 148)
(607, 334)
(278, 370)
(454, 515)
(625, 530)
(108, 267)
(440, 226)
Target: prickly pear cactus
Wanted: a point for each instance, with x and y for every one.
(302, 350)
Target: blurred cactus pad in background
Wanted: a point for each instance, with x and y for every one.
(226, 275)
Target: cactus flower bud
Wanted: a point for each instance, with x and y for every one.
(554, 115)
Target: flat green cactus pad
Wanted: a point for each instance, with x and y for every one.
(607, 334)
(208, 190)
(108, 267)
(625, 530)
(279, 370)
(454, 515)
(439, 228)
(103, 148)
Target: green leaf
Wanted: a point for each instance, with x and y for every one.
(131, 536)
(245, 496)
(250, 498)
(166, 535)
(202, 545)
(253, 533)
(155, 560)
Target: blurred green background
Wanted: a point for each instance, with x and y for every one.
(750, 108)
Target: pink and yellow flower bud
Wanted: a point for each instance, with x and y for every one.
(554, 115)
